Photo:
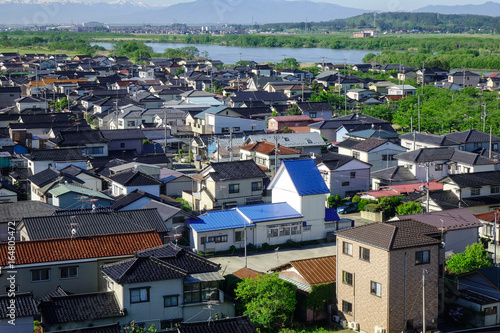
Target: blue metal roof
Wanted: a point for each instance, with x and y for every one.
(241, 216)
(269, 212)
(306, 177)
(331, 215)
(218, 220)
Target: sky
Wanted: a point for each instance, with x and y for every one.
(379, 5)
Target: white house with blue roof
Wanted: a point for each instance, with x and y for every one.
(297, 213)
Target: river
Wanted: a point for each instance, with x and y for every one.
(231, 54)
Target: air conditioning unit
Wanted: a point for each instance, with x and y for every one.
(336, 319)
(343, 324)
(379, 329)
(353, 326)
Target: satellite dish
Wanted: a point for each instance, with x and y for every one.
(73, 232)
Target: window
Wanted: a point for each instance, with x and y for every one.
(69, 272)
(218, 239)
(490, 311)
(122, 145)
(236, 129)
(139, 295)
(438, 167)
(475, 191)
(494, 147)
(285, 230)
(130, 123)
(94, 150)
(256, 186)
(203, 240)
(375, 288)
(272, 231)
(234, 188)
(364, 253)
(353, 174)
(422, 257)
(347, 307)
(110, 285)
(312, 114)
(171, 300)
(347, 248)
(239, 236)
(345, 183)
(387, 157)
(347, 278)
(225, 130)
(40, 275)
(201, 291)
(495, 189)
(355, 154)
(178, 219)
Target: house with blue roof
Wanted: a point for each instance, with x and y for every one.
(297, 213)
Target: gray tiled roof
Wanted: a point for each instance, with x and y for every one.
(451, 219)
(123, 134)
(471, 135)
(78, 138)
(43, 177)
(423, 155)
(161, 263)
(474, 179)
(17, 210)
(25, 305)
(134, 178)
(93, 223)
(111, 328)
(393, 235)
(130, 198)
(333, 161)
(395, 173)
(227, 325)
(369, 144)
(56, 155)
(432, 139)
(236, 170)
(80, 307)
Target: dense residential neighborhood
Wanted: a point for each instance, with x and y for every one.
(122, 184)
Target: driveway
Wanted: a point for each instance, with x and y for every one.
(262, 262)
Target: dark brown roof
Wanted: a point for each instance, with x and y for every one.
(246, 273)
(314, 270)
(392, 235)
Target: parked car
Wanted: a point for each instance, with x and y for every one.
(348, 207)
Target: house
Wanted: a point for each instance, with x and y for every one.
(165, 285)
(12, 213)
(306, 143)
(276, 124)
(266, 156)
(480, 290)
(18, 312)
(41, 159)
(91, 142)
(70, 312)
(8, 96)
(459, 227)
(469, 140)
(380, 267)
(399, 189)
(125, 139)
(321, 110)
(175, 182)
(307, 273)
(344, 175)
(71, 263)
(240, 97)
(401, 90)
(68, 196)
(436, 163)
(90, 222)
(227, 184)
(40, 184)
(218, 124)
(490, 229)
(125, 182)
(377, 152)
(297, 213)
(464, 78)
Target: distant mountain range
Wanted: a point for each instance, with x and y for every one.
(488, 8)
(196, 12)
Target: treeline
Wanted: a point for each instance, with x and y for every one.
(455, 59)
(399, 21)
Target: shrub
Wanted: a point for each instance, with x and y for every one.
(251, 247)
(232, 248)
(356, 198)
(372, 208)
(362, 203)
(265, 247)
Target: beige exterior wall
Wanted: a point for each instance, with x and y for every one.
(387, 311)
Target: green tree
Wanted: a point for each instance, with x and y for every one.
(388, 205)
(293, 110)
(334, 201)
(407, 208)
(318, 297)
(268, 300)
(185, 205)
(474, 257)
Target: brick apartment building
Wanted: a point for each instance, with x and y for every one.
(379, 276)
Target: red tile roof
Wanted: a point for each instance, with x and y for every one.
(246, 273)
(292, 118)
(60, 249)
(489, 216)
(399, 189)
(267, 148)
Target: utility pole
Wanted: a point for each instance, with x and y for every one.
(165, 125)
(424, 274)
(418, 113)
(428, 189)
(484, 117)
(276, 153)
(231, 145)
(245, 235)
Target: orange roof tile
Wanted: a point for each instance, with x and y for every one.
(60, 249)
(246, 273)
(267, 148)
(489, 216)
(314, 270)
